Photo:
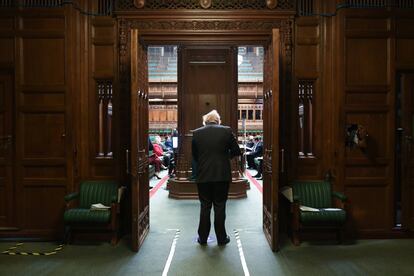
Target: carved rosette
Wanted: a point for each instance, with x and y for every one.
(139, 4)
(205, 4)
(271, 4)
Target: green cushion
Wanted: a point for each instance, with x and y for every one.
(86, 216)
(336, 217)
(92, 192)
(316, 194)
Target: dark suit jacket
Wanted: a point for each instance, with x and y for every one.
(212, 147)
(258, 151)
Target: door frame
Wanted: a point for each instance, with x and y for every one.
(259, 33)
(407, 212)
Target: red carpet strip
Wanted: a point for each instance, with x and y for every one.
(155, 189)
(254, 181)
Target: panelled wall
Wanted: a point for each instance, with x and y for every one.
(59, 110)
(307, 154)
(367, 99)
(51, 62)
(103, 138)
(346, 69)
(36, 56)
(372, 47)
(404, 64)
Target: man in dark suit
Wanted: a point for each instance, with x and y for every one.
(257, 151)
(213, 146)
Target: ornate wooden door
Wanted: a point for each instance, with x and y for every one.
(271, 141)
(7, 194)
(139, 142)
(407, 153)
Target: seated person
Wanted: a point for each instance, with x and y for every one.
(250, 144)
(154, 160)
(168, 143)
(257, 151)
(159, 152)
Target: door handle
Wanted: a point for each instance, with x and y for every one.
(127, 161)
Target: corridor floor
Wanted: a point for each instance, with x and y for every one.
(365, 257)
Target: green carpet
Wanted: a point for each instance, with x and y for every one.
(366, 257)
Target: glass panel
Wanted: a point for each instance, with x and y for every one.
(101, 96)
(305, 117)
(109, 121)
(104, 91)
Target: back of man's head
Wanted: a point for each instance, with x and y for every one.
(211, 117)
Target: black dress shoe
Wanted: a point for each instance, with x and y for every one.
(260, 178)
(201, 242)
(226, 241)
(257, 175)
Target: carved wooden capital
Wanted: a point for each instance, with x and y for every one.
(271, 4)
(139, 3)
(205, 4)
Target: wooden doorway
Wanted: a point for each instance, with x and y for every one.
(139, 142)
(404, 184)
(271, 142)
(139, 182)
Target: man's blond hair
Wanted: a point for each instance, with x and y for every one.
(211, 117)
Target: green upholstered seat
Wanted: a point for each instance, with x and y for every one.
(317, 195)
(93, 192)
(322, 217)
(87, 216)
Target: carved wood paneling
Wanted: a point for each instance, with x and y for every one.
(7, 183)
(368, 74)
(37, 56)
(123, 5)
(103, 147)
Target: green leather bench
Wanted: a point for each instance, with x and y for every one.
(316, 206)
(81, 217)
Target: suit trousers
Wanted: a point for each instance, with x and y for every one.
(214, 193)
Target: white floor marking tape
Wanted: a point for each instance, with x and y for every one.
(172, 251)
(243, 260)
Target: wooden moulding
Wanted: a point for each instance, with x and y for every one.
(186, 189)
